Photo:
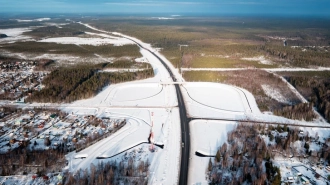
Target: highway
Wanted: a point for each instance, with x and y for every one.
(185, 136)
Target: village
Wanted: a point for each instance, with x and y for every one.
(19, 79)
(29, 132)
(301, 154)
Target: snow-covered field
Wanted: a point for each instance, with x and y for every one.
(15, 34)
(166, 130)
(143, 93)
(217, 101)
(206, 136)
(34, 20)
(60, 58)
(274, 93)
(88, 41)
(137, 101)
(59, 25)
(260, 59)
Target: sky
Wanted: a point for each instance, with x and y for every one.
(207, 7)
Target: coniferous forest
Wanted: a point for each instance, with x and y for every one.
(67, 84)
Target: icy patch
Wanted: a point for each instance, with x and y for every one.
(260, 59)
(88, 41)
(274, 93)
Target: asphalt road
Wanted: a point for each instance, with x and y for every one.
(185, 137)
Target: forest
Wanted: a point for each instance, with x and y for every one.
(231, 38)
(67, 84)
(125, 63)
(55, 31)
(39, 161)
(245, 156)
(315, 87)
(241, 159)
(111, 172)
(72, 49)
(302, 111)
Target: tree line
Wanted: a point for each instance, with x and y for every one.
(42, 161)
(297, 57)
(79, 82)
(245, 155)
(300, 111)
(111, 172)
(242, 157)
(315, 88)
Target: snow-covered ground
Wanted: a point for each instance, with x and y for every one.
(206, 137)
(136, 101)
(60, 58)
(217, 101)
(88, 41)
(59, 25)
(203, 100)
(274, 93)
(143, 93)
(15, 34)
(260, 59)
(143, 51)
(266, 69)
(164, 163)
(34, 20)
(302, 99)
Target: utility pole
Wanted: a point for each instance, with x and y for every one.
(182, 53)
(152, 147)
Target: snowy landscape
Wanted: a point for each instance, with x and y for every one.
(133, 128)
